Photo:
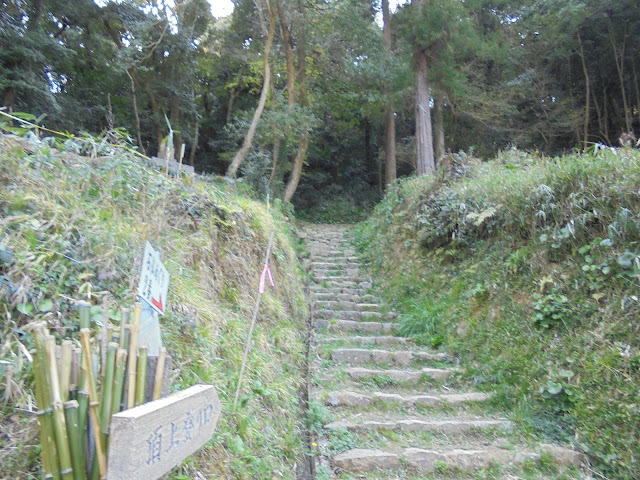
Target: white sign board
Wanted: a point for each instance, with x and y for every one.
(154, 280)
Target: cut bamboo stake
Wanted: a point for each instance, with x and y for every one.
(142, 374)
(65, 371)
(59, 424)
(75, 368)
(253, 324)
(133, 344)
(125, 337)
(107, 388)
(47, 437)
(125, 313)
(104, 337)
(157, 384)
(93, 401)
(118, 382)
(76, 438)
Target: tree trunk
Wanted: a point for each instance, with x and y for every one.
(192, 155)
(389, 114)
(297, 168)
(620, 67)
(438, 125)
(232, 97)
(425, 163)
(587, 108)
(298, 163)
(248, 140)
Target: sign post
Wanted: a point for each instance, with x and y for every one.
(152, 291)
(149, 440)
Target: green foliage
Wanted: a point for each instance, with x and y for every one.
(538, 299)
(551, 310)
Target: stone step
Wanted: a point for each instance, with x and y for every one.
(351, 315)
(355, 399)
(335, 260)
(359, 294)
(366, 460)
(346, 305)
(444, 427)
(402, 358)
(340, 279)
(353, 326)
(383, 341)
(318, 265)
(400, 376)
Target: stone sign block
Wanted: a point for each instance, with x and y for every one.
(149, 440)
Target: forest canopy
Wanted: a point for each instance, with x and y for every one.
(298, 96)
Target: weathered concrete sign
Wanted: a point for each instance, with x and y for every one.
(148, 441)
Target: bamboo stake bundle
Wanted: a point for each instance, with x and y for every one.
(142, 374)
(157, 385)
(133, 343)
(49, 452)
(59, 424)
(118, 382)
(93, 400)
(65, 370)
(76, 439)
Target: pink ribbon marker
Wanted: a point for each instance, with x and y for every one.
(266, 270)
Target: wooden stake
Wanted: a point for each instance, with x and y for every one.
(157, 384)
(133, 344)
(93, 401)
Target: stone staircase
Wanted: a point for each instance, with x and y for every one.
(396, 410)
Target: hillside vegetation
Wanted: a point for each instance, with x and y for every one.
(73, 227)
(528, 269)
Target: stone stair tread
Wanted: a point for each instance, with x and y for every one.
(384, 340)
(360, 460)
(412, 376)
(361, 327)
(401, 358)
(357, 399)
(450, 426)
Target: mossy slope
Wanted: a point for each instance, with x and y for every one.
(528, 269)
(73, 228)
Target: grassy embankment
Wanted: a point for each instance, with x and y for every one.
(72, 228)
(528, 269)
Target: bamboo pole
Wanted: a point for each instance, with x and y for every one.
(85, 314)
(142, 374)
(107, 388)
(133, 343)
(75, 440)
(59, 424)
(125, 313)
(75, 368)
(157, 385)
(125, 337)
(93, 400)
(118, 382)
(47, 438)
(65, 371)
